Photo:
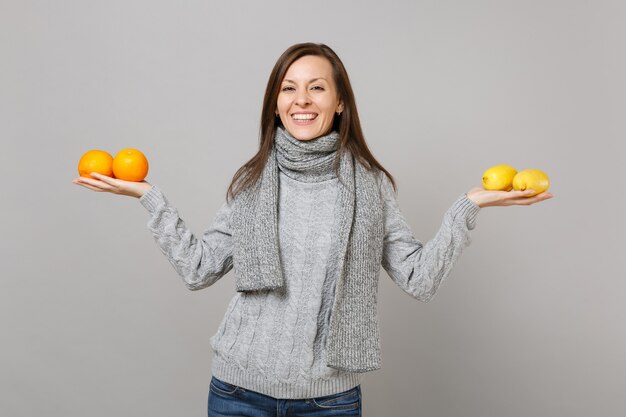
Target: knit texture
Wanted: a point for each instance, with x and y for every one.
(355, 258)
(274, 342)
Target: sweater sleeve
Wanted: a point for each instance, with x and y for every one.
(420, 268)
(200, 262)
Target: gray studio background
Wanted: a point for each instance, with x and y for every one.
(94, 320)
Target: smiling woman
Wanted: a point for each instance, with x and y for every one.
(308, 98)
(308, 95)
(307, 224)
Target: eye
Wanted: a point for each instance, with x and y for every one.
(287, 88)
(318, 87)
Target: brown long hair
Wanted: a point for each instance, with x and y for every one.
(347, 124)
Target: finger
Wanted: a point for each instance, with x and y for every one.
(545, 196)
(91, 187)
(536, 199)
(90, 181)
(541, 196)
(103, 178)
(100, 185)
(522, 193)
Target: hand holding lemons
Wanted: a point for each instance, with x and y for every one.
(506, 178)
(504, 186)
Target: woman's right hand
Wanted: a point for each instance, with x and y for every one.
(103, 183)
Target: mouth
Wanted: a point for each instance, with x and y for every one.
(303, 119)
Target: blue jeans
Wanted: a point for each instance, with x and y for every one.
(230, 400)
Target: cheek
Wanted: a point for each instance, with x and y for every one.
(329, 113)
(329, 108)
(283, 110)
(283, 103)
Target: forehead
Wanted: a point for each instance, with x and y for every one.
(309, 67)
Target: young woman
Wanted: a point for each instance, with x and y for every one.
(306, 225)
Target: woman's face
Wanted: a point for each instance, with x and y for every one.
(308, 100)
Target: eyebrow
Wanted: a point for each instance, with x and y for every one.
(314, 79)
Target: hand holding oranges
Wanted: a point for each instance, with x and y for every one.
(124, 174)
(129, 164)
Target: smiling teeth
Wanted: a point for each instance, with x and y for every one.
(304, 116)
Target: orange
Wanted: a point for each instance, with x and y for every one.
(130, 165)
(95, 161)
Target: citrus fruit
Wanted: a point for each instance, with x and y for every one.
(130, 165)
(95, 161)
(499, 177)
(531, 179)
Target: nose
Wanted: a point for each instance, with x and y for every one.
(302, 98)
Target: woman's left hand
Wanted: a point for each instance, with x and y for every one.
(486, 198)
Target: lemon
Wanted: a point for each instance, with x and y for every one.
(531, 179)
(499, 177)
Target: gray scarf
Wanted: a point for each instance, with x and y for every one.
(356, 253)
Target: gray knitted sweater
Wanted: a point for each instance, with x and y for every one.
(273, 342)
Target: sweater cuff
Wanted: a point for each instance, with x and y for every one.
(467, 209)
(152, 199)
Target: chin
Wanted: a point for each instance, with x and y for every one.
(303, 133)
(306, 132)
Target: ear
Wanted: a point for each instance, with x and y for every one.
(340, 107)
